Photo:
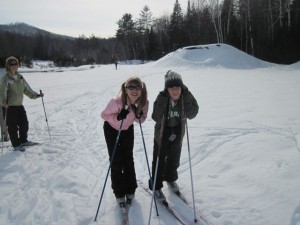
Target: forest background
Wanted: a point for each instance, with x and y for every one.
(266, 29)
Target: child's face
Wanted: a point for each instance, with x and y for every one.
(174, 93)
(133, 92)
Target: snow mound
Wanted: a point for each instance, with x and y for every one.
(213, 55)
(295, 65)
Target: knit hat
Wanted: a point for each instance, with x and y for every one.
(173, 79)
(10, 60)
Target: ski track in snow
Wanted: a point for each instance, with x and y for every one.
(68, 147)
(64, 177)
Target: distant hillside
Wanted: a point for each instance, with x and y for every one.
(27, 43)
(28, 30)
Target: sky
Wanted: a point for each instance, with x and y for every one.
(244, 144)
(74, 18)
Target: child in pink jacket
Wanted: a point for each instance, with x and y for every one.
(131, 105)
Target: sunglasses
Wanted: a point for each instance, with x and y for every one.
(13, 64)
(134, 88)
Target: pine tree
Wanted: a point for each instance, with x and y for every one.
(126, 34)
(176, 31)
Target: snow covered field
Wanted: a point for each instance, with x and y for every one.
(245, 144)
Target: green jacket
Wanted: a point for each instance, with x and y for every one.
(188, 108)
(12, 90)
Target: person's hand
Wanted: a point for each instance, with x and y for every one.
(41, 94)
(123, 114)
(139, 115)
(5, 105)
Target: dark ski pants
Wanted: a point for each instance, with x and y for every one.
(123, 177)
(169, 157)
(17, 125)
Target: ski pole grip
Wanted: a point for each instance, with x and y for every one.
(41, 92)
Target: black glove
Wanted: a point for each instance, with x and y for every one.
(139, 115)
(41, 94)
(123, 114)
(134, 108)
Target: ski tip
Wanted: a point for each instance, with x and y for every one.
(165, 203)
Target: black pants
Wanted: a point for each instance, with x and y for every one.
(123, 176)
(169, 157)
(17, 125)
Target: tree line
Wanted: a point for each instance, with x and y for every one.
(266, 29)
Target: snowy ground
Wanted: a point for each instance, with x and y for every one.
(245, 144)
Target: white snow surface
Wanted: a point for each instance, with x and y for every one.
(244, 144)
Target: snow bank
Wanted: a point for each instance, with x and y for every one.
(213, 55)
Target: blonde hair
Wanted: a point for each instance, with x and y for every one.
(9, 60)
(142, 100)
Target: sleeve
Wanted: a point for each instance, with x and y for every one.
(111, 111)
(159, 107)
(190, 105)
(3, 91)
(28, 91)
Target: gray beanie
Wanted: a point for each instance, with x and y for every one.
(173, 79)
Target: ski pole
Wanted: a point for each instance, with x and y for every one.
(147, 162)
(2, 129)
(5, 116)
(2, 132)
(189, 153)
(4, 125)
(156, 166)
(153, 188)
(45, 114)
(111, 160)
(190, 163)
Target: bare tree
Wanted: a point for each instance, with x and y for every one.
(227, 14)
(288, 11)
(250, 27)
(146, 19)
(143, 26)
(161, 28)
(216, 12)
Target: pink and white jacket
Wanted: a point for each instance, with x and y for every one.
(114, 107)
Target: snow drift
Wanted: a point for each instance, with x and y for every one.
(213, 55)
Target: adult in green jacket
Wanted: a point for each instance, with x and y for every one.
(171, 108)
(13, 86)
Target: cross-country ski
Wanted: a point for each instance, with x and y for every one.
(124, 214)
(199, 214)
(244, 141)
(165, 203)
